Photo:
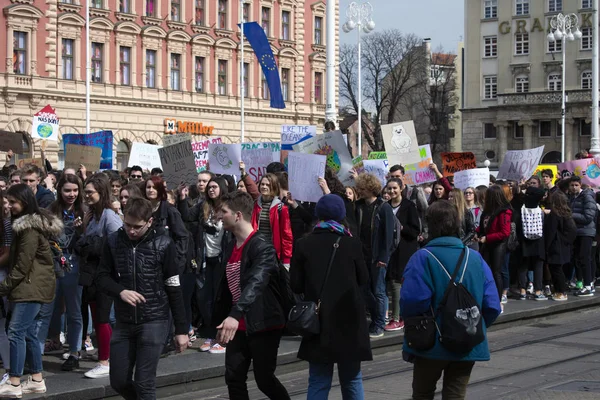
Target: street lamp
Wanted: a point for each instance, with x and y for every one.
(565, 27)
(359, 16)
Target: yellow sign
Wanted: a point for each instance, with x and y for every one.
(551, 167)
(172, 127)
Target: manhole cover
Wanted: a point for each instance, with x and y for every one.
(578, 386)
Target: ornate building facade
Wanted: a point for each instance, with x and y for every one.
(155, 61)
(512, 89)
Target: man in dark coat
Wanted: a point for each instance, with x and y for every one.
(31, 176)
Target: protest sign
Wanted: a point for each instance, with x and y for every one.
(454, 162)
(144, 155)
(357, 164)
(20, 162)
(419, 173)
(86, 155)
(178, 164)
(257, 156)
(225, 158)
(102, 139)
(400, 141)
(11, 141)
(200, 150)
(330, 144)
(304, 171)
(588, 169)
(294, 134)
(551, 167)
(45, 124)
(377, 155)
(519, 164)
(379, 168)
(169, 140)
(471, 178)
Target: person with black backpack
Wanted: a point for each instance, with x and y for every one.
(456, 316)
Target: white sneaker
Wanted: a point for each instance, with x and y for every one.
(9, 391)
(32, 386)
(217, 349)
(4, 379)
(99, 371)
(63, 338)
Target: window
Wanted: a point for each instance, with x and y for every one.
(586, 80)
(125, 64)
(518, 131)
(521, 43)
(97, 56)
(545, 128)
(285, 25)
(151, 68)
(521, 7)
(245, 79)
(222, 20)
(199, 19)
(222, 77)
(490, 9)
(125, 6)
(586, 38)
(490, 46)
(20, 53)
(489, 131)
(318, 87)
(285, 83)
(97, 3)
(318, 30)
(522, 84)
(586, 3)
(554, 46)
(585, 129)
(67, 58)
(176, 71)
(554, 82)
(150, 8)
(199, 74)
(266, 94)
(265, 20)
(554, 5)
(176, 10)
(490, 84)
(246, 11)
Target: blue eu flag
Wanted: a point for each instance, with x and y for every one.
(258, 40)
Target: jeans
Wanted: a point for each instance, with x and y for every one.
(506, 273)
(260, 349)
(136, 347)
(43, 323)
(393, 288)
(22, 336)
(427, 372)
(320, 376)
(376, 298)
(68, 288)
(582, 251)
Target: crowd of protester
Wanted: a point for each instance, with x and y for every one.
(117, 257)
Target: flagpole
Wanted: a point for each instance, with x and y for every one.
(88, 66)
(242, 87)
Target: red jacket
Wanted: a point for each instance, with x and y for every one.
(281, 228)
(499, 229)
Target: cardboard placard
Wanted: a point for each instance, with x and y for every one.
(472, 178)
(401, 144)
(588, 169)
(144, 155)
(20, 162)
(551, 167)
(89, 156)
(102, 139)
(377, 155)
(454, 162)
(292, 135)
(178, 164)
(200, 150)
(520, 164)
(225, 158)
(169, 140)
(379, 168)
(304, 171)
(11, 141)
(419, 173)
(257, 155)
(45, 124)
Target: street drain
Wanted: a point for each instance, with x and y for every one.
(578, 386)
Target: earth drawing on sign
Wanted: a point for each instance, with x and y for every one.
(222, 157)
(333, 159)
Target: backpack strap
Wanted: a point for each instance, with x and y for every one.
(458, 264)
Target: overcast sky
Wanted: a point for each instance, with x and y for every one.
(439, 20)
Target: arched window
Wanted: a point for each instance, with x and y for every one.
(522, 84)
(554, 81)
(122, 155)
(586, 79)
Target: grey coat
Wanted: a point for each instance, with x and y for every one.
(584, 211)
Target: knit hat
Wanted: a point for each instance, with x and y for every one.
(533, 196)
(331, 207)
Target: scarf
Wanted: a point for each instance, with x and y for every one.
(333, 226)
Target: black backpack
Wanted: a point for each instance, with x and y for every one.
(461, 320)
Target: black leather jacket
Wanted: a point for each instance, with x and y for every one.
(260, 303)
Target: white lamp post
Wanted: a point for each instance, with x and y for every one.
(565, 27)
(359, 17)
(595, 142)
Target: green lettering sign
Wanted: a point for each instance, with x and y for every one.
(377, 155)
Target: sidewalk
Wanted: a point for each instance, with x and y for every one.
(181, 373)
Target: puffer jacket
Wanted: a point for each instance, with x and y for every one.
(31, 276)
(584, 211)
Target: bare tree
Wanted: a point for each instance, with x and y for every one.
(390, 60)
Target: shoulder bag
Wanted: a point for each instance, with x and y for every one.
(303, 318)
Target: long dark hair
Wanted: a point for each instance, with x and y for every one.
(558, 203)
(24, 195)
(333, 182)
(495, 200)
(101, 184)
(58, 207)
(159, 185)
(210, 204)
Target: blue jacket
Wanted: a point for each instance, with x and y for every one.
(424, 281)
(44, 197)
(584, 212)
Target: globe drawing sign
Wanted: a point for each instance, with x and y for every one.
(45, 124)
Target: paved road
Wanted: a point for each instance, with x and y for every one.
(556, 358)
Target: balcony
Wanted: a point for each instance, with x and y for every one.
(543, 98)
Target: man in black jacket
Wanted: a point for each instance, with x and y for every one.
(248, 301)
(137, 268)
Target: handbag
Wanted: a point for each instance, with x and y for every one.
(303, 318)
(420, 330)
